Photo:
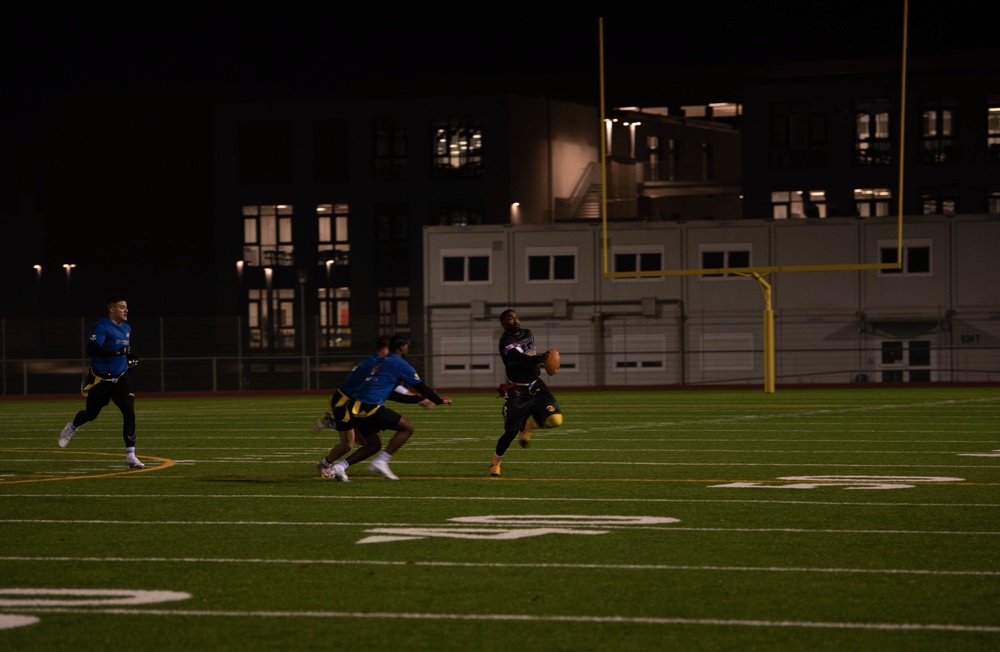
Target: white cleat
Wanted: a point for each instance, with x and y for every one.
(325, 422)
(132, 462)
(382, 468)
(66, 434)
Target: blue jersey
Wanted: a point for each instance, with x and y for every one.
(109, 335)
(357, 375)
(383, 377)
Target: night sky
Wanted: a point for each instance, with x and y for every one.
(81, 87)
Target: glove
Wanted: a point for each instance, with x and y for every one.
(132, 361)
(502, 389)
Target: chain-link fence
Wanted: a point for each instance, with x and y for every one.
(208, 355)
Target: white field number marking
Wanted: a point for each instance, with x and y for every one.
(519, 527)
(27, 598)
(841, 481)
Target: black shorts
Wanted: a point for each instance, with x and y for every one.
(369, 417)
(536, 402)
(340, 409)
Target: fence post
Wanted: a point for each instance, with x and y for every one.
(239, 353)
(163, 360)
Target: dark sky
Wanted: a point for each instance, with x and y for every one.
(83, 86)
(276, 51)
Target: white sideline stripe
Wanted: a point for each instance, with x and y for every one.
(455, 564)
(513, 499)
(133, 524)
(258, 460)
(536, 618)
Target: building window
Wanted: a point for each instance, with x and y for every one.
(798, 204)
(394, 310)
(457, 212)
(264, 152)
(465, 266)
(390, 157)
(993, 129)
(872, 202)
(662, 163)
(330, 151)
(271, 318)
(906, 361)
(723, 256)
(707, 161)
(267, 236)
(332, 245)
(391, 226)
(937, 200)
(551, 264)
(392, 242)
(916, 257)
(637, 258)
(458, 149)
(798, 136)
(993, 200)
(334, 317)
(871, 132)
(937, 142)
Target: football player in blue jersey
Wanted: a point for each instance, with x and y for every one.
(372, 416)
(339, 416)
(108, 378)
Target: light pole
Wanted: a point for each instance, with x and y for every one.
(38, 288)
(303, 277)
(269, 328)
(69, 282)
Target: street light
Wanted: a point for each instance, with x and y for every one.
(69, 272)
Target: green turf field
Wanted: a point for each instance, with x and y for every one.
(845, 519)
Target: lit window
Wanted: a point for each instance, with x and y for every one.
(267, 236)
(798, 204)
(872, 202)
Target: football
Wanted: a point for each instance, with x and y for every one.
(553, 363)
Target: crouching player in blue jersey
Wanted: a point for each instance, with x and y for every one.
(370, 414)
(109, 377)
(339, 416)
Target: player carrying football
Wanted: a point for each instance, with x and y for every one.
(528, 401)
